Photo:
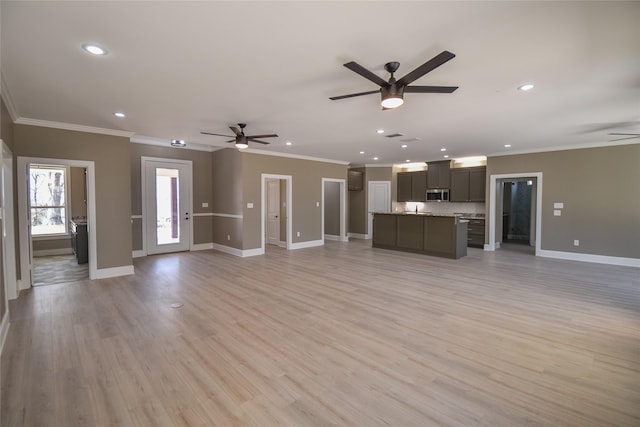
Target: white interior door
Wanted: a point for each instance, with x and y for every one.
(273, 212)
(379, 200)
(168, 206)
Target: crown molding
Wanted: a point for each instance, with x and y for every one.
(159, 142)
(389, 165)
(292, 156)
(70, 126)
(564, 148)
(8, 100)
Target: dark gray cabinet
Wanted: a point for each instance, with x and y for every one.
(475, 233)
(355, 180)
(468, 184)
(412, 186)
(79, 241)
(385, 231)
(438, 174)
(410, 229)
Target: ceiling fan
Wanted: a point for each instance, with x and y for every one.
(625, 136)
(392, 91)
(242, 140)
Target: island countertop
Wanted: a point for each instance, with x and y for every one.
(443, 235)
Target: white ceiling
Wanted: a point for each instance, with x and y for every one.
(178, 68)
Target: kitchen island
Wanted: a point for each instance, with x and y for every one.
(437, 235)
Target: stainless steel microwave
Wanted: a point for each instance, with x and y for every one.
(439, 195)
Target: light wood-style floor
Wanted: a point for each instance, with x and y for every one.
(340, 335)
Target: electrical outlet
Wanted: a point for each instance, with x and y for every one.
(228, 236)
(298, 234)
(576, 243)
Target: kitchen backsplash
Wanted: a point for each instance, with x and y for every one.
(440, 208)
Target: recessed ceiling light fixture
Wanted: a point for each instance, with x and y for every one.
(178, 143)
(375, 158)
(362, 152)
(407, 161)
(94, 49)
(446, 156)
(118, 114)
(443, 149)
(403, 146)
(288, 143)
(526, 87)
(507, 145)
(380, 131)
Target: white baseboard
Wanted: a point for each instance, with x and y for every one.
(202, 246)
(4, 329)
(138, 254)
(22, 286)
(52, 252)
(309, 244)
(252, 252)
(104, 273)
(336, 238)
(600, 259)
(359, 236)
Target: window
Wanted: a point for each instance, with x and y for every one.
(48, 199)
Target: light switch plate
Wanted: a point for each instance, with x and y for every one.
(205, 205)
(317, 204)
(249, 205)
(557, 212)
(558, 205)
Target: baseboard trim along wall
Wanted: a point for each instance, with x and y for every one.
(600, 259)
(336, 238)
(4, 329)
(309, 244)
(202, 246)
(237, 252)
(105, 273)
(52, 252)
(359, 236)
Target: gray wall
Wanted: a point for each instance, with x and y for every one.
(77, 195)
(307, 190)
(599, 189)
(332, 208)
(226, 168)
(111, 155)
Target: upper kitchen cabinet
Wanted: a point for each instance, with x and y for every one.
(468, 184)
(438, 174)
(355, 180)
(412, 186)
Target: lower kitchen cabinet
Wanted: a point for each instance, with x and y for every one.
(475, 233)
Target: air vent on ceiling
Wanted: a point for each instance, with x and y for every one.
(410, 139)
(394, 135)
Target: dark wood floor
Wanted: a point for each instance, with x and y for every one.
(337, 335)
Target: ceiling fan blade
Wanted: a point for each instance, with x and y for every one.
(428, 66)
(231, 140)
(258, 141)
(359, 69)
(634, 134)
(273, 135)
(216, 134)
(335, 98)
(430, 89)
(622, 139)
(235, 130)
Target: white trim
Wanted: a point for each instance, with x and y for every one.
(238, 252)
(51, 252)
(138, 254)
(252, 252)
(563, 148)
(343, 209)
(600, 259)
(4, 329)
(359, 236)
(23, 215)
(22, 286)
(336, 238)
(308, 244)
(202, 246)
(390, 165)
(8, 99)
(137, 217)
(293, 156)
(166, 143)
(263, 209)
(493, 180)
(70, 126)
(237, 216)
(105, 273)
(46, 237)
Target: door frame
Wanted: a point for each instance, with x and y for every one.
(26, 260)
(343, 212)
(8, 226)
(369, 208)
(263, 207)
(495, 202)
(143, 194)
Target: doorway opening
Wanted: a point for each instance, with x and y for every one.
(334, 211)
(514, 212)
(56, 206)
(166, 207)
(275, 224)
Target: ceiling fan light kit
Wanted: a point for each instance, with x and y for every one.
(392, 91)
(241, 140)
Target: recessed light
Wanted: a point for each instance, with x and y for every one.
(407, 161)
(94, 49)
(443, 149)
(446, 156)
(526, 87)
(362, 152)
(178, 143)
(118, 114)
(380, 130)
(375, 158)
(288, 143)
(507, 145)
(403, 146)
